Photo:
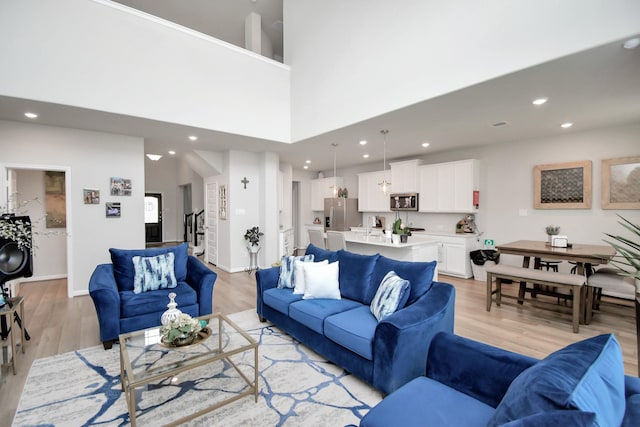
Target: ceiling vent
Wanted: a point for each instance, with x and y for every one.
(500, 124)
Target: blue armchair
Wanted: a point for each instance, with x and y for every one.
(121, 309)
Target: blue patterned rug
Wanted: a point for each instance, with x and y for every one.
(297, 387)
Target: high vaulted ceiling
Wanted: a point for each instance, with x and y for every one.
(596, 88)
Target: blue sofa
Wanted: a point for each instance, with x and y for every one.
(467, 383)
(122, 310)
(385, 354)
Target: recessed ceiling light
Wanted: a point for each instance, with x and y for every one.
(539, 101)
(632, 43)
(306, 167)
(172, 152)
(566, 125)
(307, 161)
(425, 144)
(366, 156)
(154, 157)
(193, 138)
(363, 142)
(31, 115)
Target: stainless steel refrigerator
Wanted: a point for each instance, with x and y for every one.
(340, 214)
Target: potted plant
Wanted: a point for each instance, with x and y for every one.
(253, 236)
(401, 230)
(627, 259)
(552, 230)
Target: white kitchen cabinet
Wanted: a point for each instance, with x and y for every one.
(370, 198)
(453, 253)
(404, 176)
(448, 187)
(322, 188)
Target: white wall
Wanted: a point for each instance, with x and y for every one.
(93, 158)
(353, 60)
(50, 244)
(103, 56)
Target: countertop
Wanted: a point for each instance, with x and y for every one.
(380, 240)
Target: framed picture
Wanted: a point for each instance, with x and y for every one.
(113, 209)
(55, 199)
(222, 203)
(91, 196)
(621, 183)
(120, 187)
(562, 185)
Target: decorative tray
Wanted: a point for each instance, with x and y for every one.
(202, 335)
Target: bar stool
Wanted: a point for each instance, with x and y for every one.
(316, 238)
(336, 241)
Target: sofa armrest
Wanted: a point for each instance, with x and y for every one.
(473, 368)
(201, 279)
(402, 340)
(104, 293)
(265, 279)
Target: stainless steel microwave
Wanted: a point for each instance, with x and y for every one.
(404, 202)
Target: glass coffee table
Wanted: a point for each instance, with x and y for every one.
(145, 360)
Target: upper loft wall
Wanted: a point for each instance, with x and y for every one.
(370, 58)
(101, 55)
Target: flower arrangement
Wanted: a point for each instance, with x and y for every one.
(253, 236)
(180, 330)
(400, 228)
(16, 230)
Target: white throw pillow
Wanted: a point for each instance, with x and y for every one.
(299, 274)
(321, 281)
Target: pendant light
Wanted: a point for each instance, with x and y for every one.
(385, 186)
(334, 188)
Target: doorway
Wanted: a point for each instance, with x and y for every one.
(153, 217)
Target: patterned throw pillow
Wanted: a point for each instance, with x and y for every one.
(153, 273)
(392, 294)
(287, 277)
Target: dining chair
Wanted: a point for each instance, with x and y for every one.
(316, 238)
(336, 241)
(608, 281)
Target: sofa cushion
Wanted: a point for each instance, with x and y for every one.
(301, 284)
(587, 375)
(321, 280)
(355, 276)
(287, 277)
(419, 274)
(279, 299)
(320, 254)
(425, 402)
(632, 414)
(123, 269)
(558, 418)
(353, 329)
(132, 304)
(153, 273)
(312, 312)
(392, 294)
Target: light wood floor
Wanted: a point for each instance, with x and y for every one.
(58, 324)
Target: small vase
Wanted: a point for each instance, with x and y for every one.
(403, 238)
(253, 248)
(172, 313)
(395, 239)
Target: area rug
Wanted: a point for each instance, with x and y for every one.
(297, 387)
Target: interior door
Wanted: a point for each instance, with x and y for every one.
(153, 217)
(211, 223)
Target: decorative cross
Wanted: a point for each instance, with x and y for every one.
(245, 181)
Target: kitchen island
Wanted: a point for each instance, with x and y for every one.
(417, 248)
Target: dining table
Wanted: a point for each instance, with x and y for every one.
(583, 255)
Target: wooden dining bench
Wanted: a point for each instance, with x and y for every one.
(572, 282)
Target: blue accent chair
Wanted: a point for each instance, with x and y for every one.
(121, 310)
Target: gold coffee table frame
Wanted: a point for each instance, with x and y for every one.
(135, 345)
